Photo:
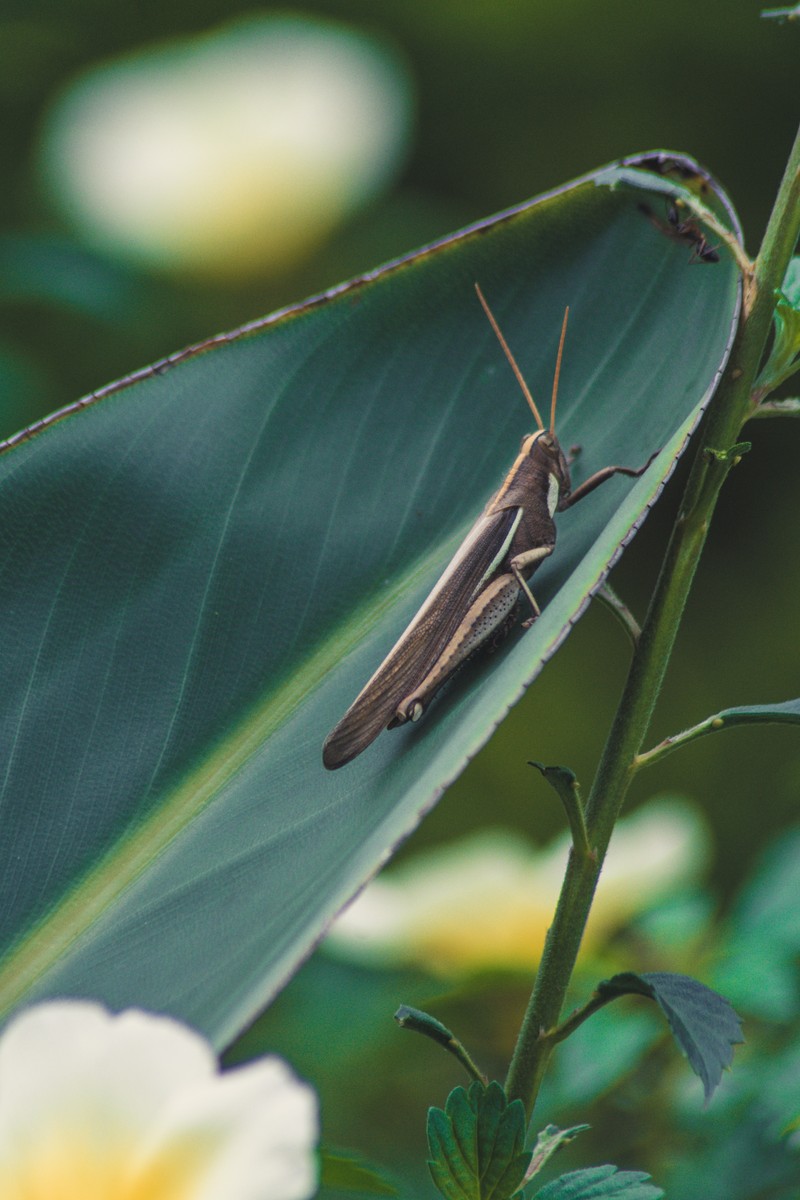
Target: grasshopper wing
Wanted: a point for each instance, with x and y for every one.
(418, 648)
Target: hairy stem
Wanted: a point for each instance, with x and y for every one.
(716, 454)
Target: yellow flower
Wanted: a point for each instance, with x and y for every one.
(95, 1106)
(486, 901)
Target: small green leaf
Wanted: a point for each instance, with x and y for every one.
(731, 456)
(351, 1174)
(782, 361)
(477, 1144)
(601, 1183)
(703, 1023)
(791, 283)
(550, 1140)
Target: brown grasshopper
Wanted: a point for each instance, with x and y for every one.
(474, 600)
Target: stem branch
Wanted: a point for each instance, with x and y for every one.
(727, 412)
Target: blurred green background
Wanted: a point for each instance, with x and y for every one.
(483, 105)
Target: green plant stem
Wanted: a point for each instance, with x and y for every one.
(676, 740)
(727, 412)
(729, 718)
(595, 1002)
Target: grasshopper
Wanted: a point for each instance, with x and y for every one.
(474, 600)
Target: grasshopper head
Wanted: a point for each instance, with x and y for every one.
(546, 446)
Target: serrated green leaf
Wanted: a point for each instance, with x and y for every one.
(204, 563)
(703, 1023)
(351, 1174)
(448, 1164)
(601, 1183)
(476, 1096)
(511, 1182)
(501, 1139)
(446, 1182)
(462, 1105)
(476, 1144)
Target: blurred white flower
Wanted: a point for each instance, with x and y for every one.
(486, 901)
(230, 154)
(132, 1107)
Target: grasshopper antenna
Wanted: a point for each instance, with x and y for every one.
(558, 372)
(511, 359)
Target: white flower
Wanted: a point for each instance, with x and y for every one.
(95, 1106)
(232, 154)
(486, 902)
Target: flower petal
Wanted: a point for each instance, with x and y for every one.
(257, 1127)
(109, 1073)
(95, 1106)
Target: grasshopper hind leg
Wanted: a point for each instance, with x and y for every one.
(488, 619)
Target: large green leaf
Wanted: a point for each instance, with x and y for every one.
(203, 564)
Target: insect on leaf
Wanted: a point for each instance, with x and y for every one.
(203, 563)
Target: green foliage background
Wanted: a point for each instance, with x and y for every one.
(512, 98)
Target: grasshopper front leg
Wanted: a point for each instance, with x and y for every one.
(567, 499)
(485, 616)
(524, 562)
